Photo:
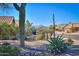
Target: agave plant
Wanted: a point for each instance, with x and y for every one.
(57, 44)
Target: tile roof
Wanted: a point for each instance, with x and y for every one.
(6, 19)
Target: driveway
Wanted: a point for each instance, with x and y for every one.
(69, 35)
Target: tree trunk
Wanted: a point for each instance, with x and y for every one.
(22, 26)
(21, 10)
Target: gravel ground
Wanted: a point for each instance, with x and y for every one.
(42, 51)
(74, 36)
(39, 47)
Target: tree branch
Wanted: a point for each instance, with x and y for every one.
(16, 6)
(23, 5)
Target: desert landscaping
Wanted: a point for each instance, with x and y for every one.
(38, 34)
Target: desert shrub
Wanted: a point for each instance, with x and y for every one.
(40, 36)
(28, 28)
(8, 50)
(29, 31)
(69, 41)
(7, 30)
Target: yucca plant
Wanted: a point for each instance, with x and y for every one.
(57, 44)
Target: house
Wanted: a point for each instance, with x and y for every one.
(60, 27)
(17, 23)
(72, 27)
(7, 19)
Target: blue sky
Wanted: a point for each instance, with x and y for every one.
(41, 13)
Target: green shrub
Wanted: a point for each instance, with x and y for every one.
(29, 31)
(7, 30)
(40, 36)
(8, 50)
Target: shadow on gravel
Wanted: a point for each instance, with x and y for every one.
(42, 51)
(73, 51)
